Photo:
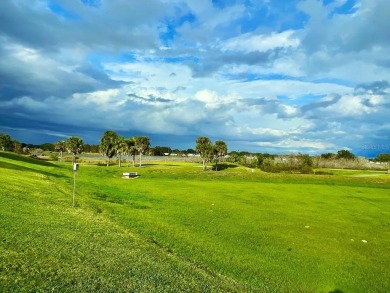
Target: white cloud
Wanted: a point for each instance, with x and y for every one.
(212, 100)
(269, 132)
(106, 99)
(26, 102)
(251, 42)
(355, 106)
(289, 144)
(290, 88)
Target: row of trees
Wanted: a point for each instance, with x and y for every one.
(88, 148)
(111, 144)
(9, 144)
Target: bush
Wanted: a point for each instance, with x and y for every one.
(292, 164)
(359, 163)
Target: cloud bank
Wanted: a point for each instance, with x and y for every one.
(304, 76)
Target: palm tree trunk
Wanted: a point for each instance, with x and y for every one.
(108, 162)
(120, 160)
(140, 159)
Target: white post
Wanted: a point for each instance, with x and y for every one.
(75, 168)
(74, 186)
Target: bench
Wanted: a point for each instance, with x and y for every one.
(129, 174)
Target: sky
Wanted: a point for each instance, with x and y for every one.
(270, 76)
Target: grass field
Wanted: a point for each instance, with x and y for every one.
(176, 228)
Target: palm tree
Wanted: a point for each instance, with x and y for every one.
(60, 146)
(205, 148)
(74, 145)
(142, 143)
(121, 148)
(108, 144)
(220, 150)
(131, 150)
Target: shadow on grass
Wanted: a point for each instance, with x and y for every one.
(99, 164)
(223, 166)
(20, 158)
(11, 166)
(137, 165)
(162, 164)
(336, 291)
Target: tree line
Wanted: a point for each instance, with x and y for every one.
(112, 144)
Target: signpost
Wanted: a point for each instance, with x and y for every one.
(75, 168)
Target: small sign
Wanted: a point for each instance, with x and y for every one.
(75, 167)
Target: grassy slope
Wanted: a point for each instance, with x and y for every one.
(46, 245)
(268, 232)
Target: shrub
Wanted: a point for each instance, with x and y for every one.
(292, 164)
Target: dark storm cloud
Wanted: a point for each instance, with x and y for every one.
(272, 106)
(214, 60)
(378, 87)
(151, 99)
(322, 104)
(45, 28)
(40, 30)
(337, 33)
(37, 79)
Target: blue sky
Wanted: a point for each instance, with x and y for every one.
(265, 76)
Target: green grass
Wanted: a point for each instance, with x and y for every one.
(359, 173)
(177, 228)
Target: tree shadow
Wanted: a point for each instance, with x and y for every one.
(11, 166)
(223, 166)
(100, 164)
(153, 164)
(29, 160)
(336, 291)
